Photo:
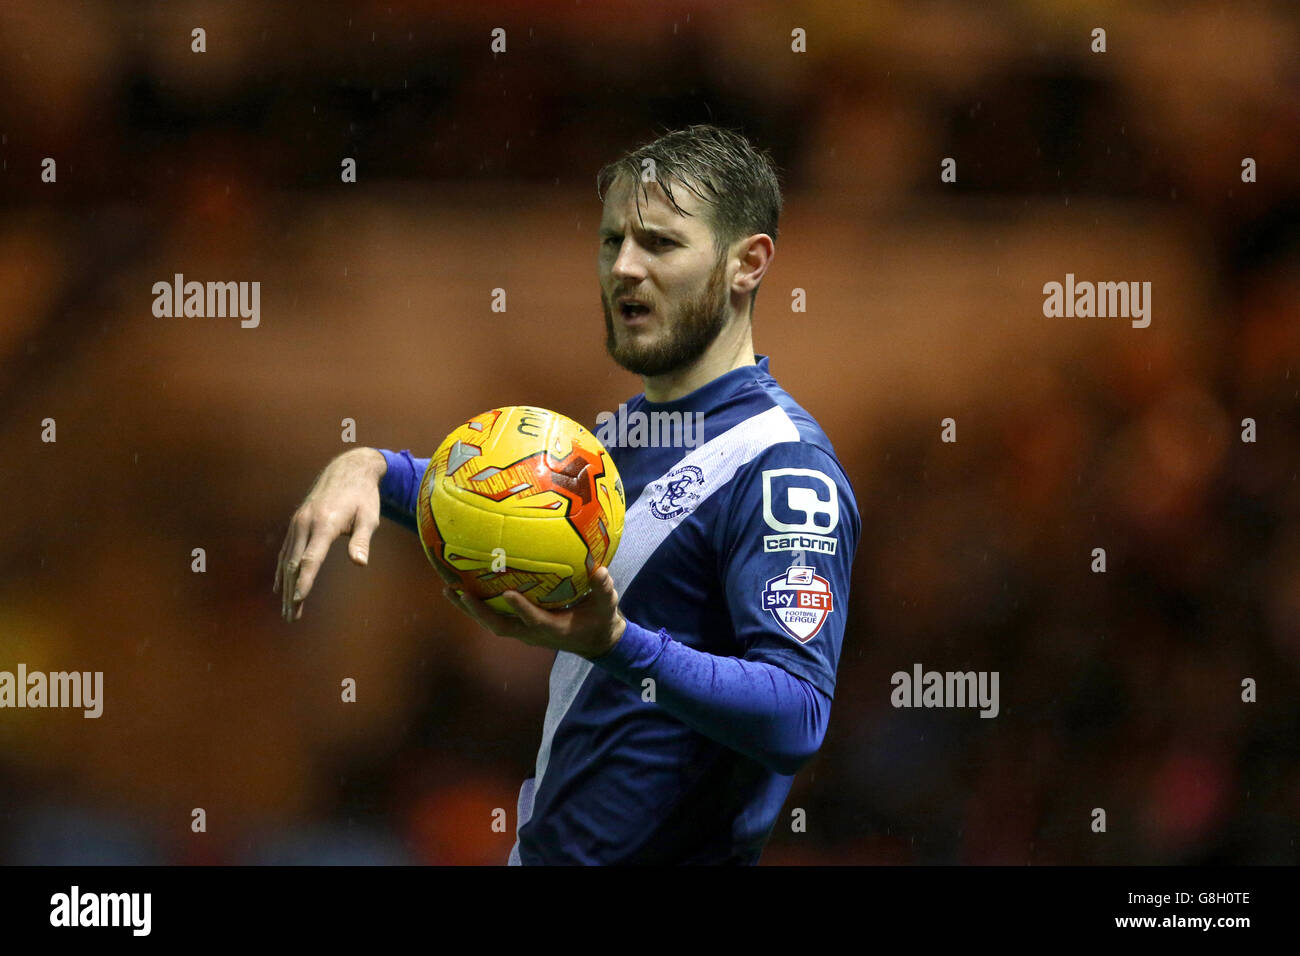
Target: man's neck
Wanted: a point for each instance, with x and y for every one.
(732, 349)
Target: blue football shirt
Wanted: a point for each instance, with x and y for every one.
(738, 542)
(740, 546)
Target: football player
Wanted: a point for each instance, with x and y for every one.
(696, 678)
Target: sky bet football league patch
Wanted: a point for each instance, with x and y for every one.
(800, 600)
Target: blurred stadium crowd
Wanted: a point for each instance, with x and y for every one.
(476, 171)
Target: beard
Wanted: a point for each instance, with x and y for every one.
(683, 338)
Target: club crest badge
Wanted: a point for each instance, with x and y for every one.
(676, 493)
(800, 600)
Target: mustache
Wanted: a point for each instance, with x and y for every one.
(612, 301)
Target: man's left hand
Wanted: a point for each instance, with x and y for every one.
(588, 629)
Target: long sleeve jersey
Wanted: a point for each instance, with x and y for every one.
(680, 744)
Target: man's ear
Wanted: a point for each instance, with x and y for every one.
(755, 259)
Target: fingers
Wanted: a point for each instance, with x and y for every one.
(359, 545)
(490, 620)
(279, 561)
(478, 610)
(532, 615)
(322, 536)
(458, 602)
(448, 578)
(602, 598)
(605, 585)
(311, 542)
(294, 540)
(343, 499)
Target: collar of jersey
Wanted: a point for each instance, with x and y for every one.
(715, 392)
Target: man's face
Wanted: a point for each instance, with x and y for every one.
(669, 266)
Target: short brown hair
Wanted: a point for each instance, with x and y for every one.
(739, 182)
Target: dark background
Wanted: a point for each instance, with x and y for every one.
(477, 171)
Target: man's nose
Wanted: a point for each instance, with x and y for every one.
(628, 264)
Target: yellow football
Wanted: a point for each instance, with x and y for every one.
(521, 498)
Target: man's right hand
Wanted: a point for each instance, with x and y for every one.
(345, 498)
